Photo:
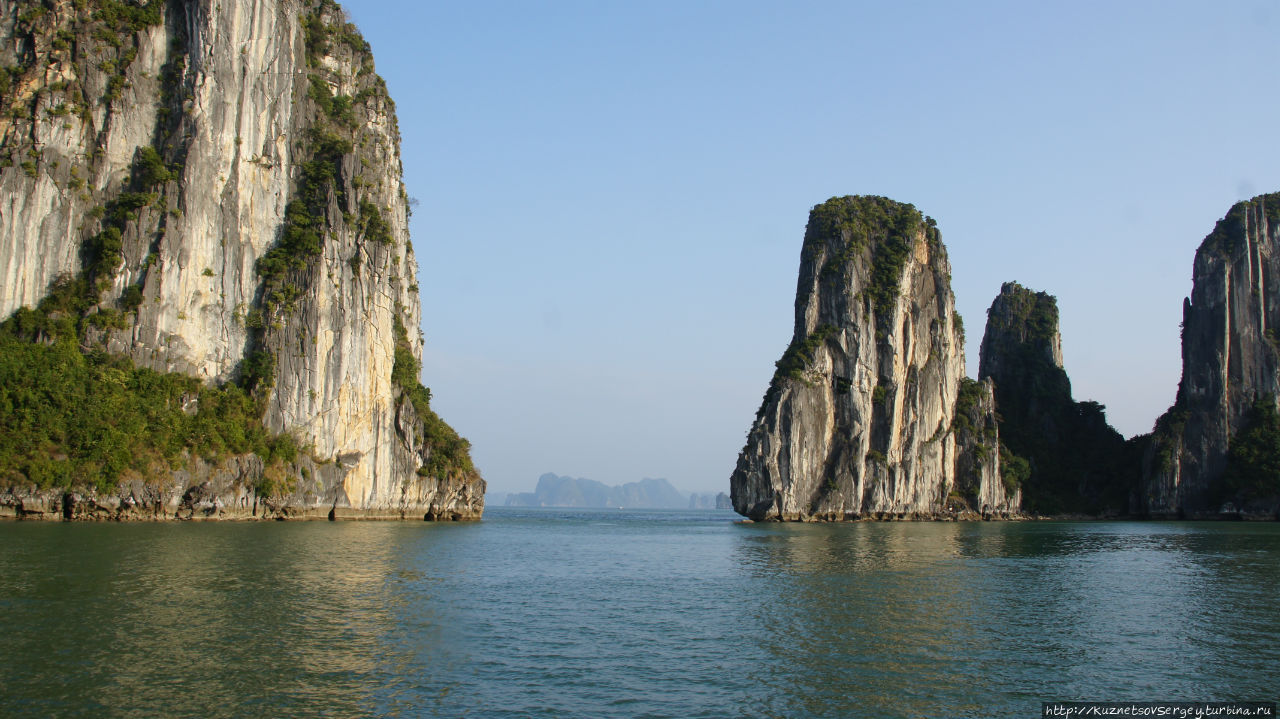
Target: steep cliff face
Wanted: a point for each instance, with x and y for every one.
(1230, 378)
(988, 480)
(857, 421)
(225, 178)
(1074, 456)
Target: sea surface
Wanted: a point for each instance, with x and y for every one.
(581, 613)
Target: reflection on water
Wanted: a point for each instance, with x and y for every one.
(209, 620)
(991, 619)
(620, 614)
(864, 619)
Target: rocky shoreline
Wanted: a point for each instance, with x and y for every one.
(234, 490)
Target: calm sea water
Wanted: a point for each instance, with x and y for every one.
(541, 613)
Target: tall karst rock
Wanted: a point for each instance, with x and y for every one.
(861, 418)
(1220, 444)
(216, 185)
(1074, 456)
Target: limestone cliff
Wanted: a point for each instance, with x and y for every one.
(1230, 377)
(1074, 456)
(858, 419)
(223, 178)
(988, 479)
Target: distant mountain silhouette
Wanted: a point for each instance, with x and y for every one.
(556, 491)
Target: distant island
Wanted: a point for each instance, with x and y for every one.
(556, 491)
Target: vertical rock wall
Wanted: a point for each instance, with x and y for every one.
(857, 421)
(982, 481)
(231, 133)
(1230, 359)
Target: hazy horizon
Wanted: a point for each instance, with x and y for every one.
(532, 486)
(613, 195)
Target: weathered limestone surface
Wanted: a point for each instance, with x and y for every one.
(857, 422)
(1230, 359)
(225, 92)
(980, 486)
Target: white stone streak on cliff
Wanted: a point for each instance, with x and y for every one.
(229, 209)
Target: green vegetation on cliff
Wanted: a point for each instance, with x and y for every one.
(854, 223)
(450, 454)
(98, 35)
(1230, 230)
(1253, 457)
(968, 399)
(70, 417)
(796, 359)
(1014, 470)
(126, 17)
(1031, 317)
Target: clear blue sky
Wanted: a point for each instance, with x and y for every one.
(613, 194)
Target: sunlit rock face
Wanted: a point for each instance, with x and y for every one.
(245, 109)
(1230, 363)
(858, 420)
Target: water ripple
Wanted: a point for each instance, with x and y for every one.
(536, 613)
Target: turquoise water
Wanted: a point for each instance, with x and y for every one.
(549, 613)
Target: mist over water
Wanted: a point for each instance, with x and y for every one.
(586, 613)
